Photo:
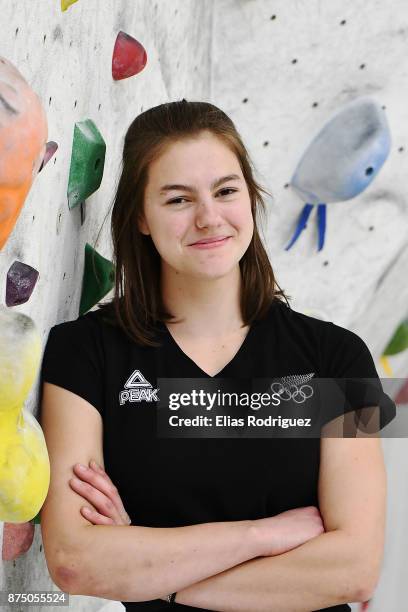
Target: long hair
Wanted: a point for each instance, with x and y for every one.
(137, 304)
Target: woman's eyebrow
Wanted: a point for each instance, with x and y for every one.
(216, 183)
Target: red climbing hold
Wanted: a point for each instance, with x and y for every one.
(129, 57)
(402, 395)
(17, 539)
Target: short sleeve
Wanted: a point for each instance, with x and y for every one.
(351, 369)
(73, 359)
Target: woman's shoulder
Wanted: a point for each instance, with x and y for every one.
(89, 320)
(333, 334)
(298, 318)
(83, 330)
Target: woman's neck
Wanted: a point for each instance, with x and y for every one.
(209, 308)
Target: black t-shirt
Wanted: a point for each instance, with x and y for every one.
(174, 482)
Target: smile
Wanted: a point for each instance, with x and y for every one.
(211, 245)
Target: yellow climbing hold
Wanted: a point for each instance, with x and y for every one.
(24, 461)
(66, 4)
(386, 365)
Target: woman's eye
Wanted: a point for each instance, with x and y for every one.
(177, 200)
(227, 189)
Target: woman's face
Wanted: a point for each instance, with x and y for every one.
(183, 205)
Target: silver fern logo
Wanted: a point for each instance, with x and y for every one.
(294, 387)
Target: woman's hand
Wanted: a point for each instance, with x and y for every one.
(282, 532)
(94, 485)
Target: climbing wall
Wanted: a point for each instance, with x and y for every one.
(281, 70)
(94, 66)
(296, 64)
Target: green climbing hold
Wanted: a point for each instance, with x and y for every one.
(37, 519)
(98, 279)
(87, 162)
(399, 341)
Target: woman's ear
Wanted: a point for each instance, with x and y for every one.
(143, 227)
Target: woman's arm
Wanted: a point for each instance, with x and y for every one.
(339, 566)
(139, 563)
(134, 563)
(330, 569)
(275, 535)
(326, 570)
(107, 561)
(248, 585)
(323, 572)
(123, 563)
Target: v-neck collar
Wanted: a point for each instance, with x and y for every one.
(242, 349)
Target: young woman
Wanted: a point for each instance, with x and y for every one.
(217, 523)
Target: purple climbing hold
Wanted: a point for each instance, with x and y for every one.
(50, 149)
(129, 57)
(21, 280)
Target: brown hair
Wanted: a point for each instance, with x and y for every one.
(137, 304)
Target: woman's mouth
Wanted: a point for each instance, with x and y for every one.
(210, 245)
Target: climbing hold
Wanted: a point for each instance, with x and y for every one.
(87, 162)
(66, 4)
(321, 224)
(129, 57)
(341, 161)
(399, 341)
(385, 363)
(21, 280)
(17, 539)
(51, 147)
(83, 212)
(402, 395)
(23, 134)
(98, 279)
(24, 462)
(302, 223)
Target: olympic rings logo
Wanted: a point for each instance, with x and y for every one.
(292, 391)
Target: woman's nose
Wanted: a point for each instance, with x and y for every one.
(207, 212)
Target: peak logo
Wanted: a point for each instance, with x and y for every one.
(137, 389)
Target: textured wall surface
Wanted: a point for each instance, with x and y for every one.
(280, 69)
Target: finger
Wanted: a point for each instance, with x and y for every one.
(95, 518)
(95, 466)
(117, 499)
(97, 480)
(111, 492)
(102, 503)
(105, 485)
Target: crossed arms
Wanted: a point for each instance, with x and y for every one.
(217, 565)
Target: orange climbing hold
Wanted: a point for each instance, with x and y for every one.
(23, 137)
(129, 57)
